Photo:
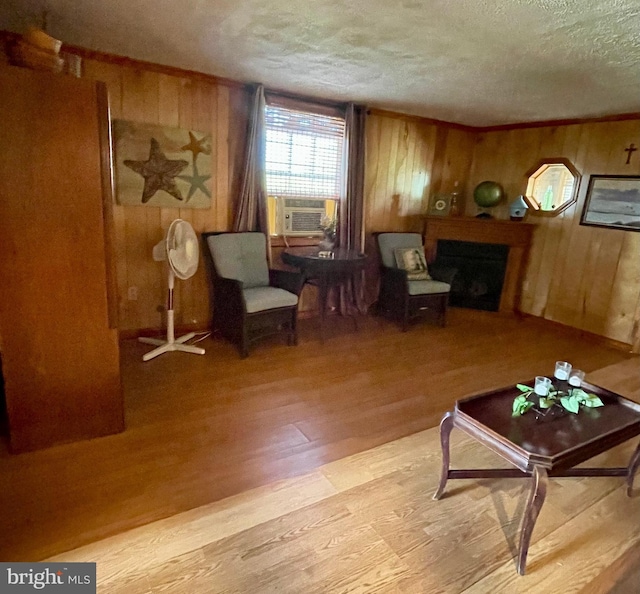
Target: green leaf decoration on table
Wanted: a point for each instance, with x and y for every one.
(571, 403)
(593, 401)
(521, 405)
(571, 400)
(518, 402)
(588, 400)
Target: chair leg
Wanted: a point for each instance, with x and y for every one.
(244, 342)
(405, 317)
(445, 305)
(292, 327)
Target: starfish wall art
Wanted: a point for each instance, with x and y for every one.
(161, 166)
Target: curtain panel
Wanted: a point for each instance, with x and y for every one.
(251, 212)
(351, 207)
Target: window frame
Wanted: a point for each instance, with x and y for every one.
(279, 101)
(538, 169)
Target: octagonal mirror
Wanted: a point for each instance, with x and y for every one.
(552, 186)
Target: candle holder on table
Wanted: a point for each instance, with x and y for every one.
(550, 400)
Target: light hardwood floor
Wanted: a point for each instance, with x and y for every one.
(367, 523)
(200, 429)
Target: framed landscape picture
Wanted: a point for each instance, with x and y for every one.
(613, 201)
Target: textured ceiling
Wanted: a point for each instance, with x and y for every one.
(476, 62)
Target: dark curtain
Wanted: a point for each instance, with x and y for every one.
(251, 212)
(351, 209)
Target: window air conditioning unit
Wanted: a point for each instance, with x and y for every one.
(300, 216)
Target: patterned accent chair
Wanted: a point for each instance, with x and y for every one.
(404, 299)
(249, 301)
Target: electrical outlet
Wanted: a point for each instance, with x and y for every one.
(132, 294)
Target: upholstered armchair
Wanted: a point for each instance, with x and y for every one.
(249, 301)
(404, 297)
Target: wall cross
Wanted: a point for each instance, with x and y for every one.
(630, 149)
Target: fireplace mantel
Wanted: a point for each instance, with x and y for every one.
(517, 235)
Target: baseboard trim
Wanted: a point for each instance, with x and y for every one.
(586, 334)
(132, 333)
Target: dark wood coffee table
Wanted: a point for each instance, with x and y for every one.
(540, 448)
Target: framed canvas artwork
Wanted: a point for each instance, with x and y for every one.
(161, 166)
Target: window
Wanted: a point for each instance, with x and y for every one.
(304, 170)
(552, 186)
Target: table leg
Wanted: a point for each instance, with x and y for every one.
(634, 464)
(323, 298)
(354, 298)
(534, 504)
(446, 425)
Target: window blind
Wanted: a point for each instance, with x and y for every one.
(303, 154)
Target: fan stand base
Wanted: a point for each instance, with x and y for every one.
(168, 346)
(171, 343)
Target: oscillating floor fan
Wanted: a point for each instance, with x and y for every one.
(180, 250)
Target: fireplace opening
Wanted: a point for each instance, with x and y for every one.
(480, 270)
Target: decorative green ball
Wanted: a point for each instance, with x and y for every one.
(488, 194)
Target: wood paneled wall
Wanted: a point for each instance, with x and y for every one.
(153, 97)
(585, 277)
(408, 160)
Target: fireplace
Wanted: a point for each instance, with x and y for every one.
(512, 237)
(480, 271)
